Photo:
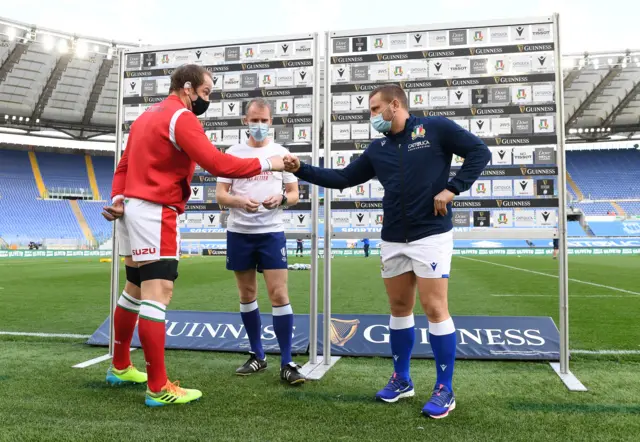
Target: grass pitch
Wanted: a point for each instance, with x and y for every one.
(43, 398)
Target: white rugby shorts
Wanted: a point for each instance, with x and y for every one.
(428, 257)
(148, 231)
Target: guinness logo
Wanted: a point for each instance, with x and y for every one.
(523, 170)
(472, 51)
(522, 109)
(498, 141)
(448, 82)
(342, 330)
(499, 203)
(521, 48)
(474, 111)
(497, 79)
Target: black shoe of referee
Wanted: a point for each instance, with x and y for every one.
(290, 373)
(253, 365)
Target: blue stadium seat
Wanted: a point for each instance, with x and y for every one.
(615, 228)
(100, 227)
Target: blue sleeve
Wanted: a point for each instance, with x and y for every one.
(463, 143)
(357, 172)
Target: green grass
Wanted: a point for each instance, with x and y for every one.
(45, 399)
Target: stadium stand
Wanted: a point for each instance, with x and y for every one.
(63, 171)
(103, 167)
(602, 174)
(53, 85)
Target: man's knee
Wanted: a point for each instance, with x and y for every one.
(278, 295)
(157, 280)
(435, 306)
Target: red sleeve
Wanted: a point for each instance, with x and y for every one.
(120, 175)
(190, 137)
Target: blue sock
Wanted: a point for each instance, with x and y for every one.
(283, 328)
(442, 336)
(402, 334)
(253, 325)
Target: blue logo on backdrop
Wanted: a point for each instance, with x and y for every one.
(191, 330)
(479, 337)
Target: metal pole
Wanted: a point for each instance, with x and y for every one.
(115, 258)
(562, 209)
(328, 193)
(315, 206)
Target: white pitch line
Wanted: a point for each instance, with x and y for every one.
(552, 276)
(97, 360)
(46, 335)
(605, 352)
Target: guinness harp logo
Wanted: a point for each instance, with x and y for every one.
(343, 330)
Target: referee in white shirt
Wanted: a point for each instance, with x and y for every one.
(256, 241)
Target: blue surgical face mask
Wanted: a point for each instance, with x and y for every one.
(380, 124)
(259, 131)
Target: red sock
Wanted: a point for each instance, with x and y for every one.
(124, 323)
(151, 330)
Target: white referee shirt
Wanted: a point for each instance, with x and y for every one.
(259, 188)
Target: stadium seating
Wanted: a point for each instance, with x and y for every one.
(103, 167)
(101, 228)
(24, 217)
(630, 207)
(594, 208)
(605, 174)
(63, 171)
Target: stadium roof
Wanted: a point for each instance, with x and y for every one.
(52, 80)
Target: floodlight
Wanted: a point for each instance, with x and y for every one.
(63, 46)
(48, 42)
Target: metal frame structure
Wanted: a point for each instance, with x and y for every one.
(561, 232)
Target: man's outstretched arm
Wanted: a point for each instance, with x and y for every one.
(358, 172)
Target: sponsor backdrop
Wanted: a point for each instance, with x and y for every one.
(279, 70)
(497, 82)
(479, 337)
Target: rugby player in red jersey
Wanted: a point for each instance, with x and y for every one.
(151, 187)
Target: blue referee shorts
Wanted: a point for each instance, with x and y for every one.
(260, 251)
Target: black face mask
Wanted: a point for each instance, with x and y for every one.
(199, 106)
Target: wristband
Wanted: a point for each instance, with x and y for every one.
(117, 198)
(266, 165)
